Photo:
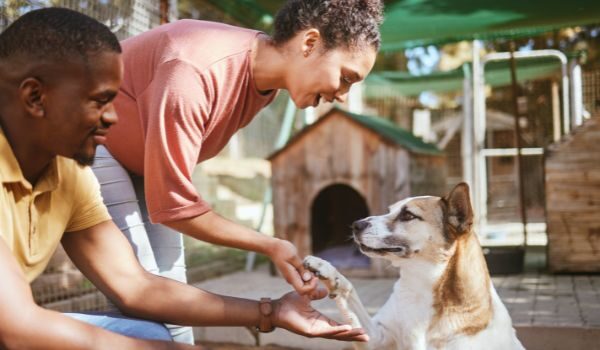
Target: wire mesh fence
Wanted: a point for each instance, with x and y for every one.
(591, 92)
(63, 288)
(124, 17)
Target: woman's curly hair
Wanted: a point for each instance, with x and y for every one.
(342, 23)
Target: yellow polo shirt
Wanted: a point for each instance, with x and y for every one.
(33, 219)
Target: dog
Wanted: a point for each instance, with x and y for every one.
(444, 298)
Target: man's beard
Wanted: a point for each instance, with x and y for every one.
(81, 157)
(84, 159)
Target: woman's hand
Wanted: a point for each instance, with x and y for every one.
(285, 257)
(294, 313)
(212, 228)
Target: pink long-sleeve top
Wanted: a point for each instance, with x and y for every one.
(188, 87)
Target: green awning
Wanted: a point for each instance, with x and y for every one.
(496, 74)
(410, 23)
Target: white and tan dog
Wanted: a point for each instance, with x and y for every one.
(444, 298)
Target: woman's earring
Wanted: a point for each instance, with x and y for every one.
(306, 53)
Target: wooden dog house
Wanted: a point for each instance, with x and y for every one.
(340, 169)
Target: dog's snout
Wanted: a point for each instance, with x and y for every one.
(360, 225)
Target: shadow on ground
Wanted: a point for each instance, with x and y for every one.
(225, 346)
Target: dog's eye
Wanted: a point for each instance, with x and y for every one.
(406, 215)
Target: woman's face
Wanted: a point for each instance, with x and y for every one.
(315, 75)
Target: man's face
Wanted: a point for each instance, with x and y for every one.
(79, 109)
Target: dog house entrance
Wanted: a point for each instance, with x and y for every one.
(333, 211)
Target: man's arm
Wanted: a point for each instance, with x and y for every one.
(24, 325)
(105, 256)
(212, 228)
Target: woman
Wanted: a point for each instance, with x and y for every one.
(188, 87)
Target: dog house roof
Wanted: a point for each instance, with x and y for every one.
(385, 128)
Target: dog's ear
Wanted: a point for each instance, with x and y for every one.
(458, 211)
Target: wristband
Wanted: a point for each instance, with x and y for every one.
(265, 308)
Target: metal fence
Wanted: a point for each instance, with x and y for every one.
(124, 17)
(591, 92)
(502, 201)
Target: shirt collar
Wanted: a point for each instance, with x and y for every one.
(10, 171)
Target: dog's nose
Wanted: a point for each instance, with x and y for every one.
(360, 225)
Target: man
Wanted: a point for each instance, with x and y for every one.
(59, 72)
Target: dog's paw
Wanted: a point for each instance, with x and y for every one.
(333, 280)
(321, 268)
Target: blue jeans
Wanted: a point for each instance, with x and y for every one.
(120, 324)
(158, 248)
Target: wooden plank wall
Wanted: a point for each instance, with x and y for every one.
(428, 175)
(572, 174)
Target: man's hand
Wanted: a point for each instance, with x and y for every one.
(285, 257)
(294, 313)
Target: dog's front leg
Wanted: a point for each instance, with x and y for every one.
(347, 300)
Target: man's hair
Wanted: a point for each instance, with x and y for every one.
(350, 24)
(56, 34)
